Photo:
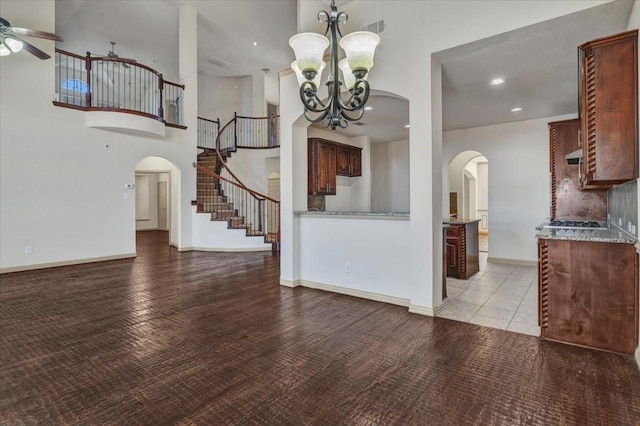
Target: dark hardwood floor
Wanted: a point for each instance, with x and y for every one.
(212, 339)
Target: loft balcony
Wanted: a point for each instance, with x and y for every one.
(118, 94)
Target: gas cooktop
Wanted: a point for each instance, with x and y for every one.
(576, 224)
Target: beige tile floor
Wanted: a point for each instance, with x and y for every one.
(500, 296)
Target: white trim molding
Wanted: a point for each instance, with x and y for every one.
(225, 250)
(376, 297)
(426, 310)
(65, 263)
(638, 357)
(289, 283)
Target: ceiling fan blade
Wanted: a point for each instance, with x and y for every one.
(35, 33)
(32, 49)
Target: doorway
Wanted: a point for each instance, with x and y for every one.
(469, 187)
(157, 189)
(272, 112)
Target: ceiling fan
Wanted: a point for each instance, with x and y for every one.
(10, 42)
(112, 55)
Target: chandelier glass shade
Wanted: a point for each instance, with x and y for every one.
(359, 48)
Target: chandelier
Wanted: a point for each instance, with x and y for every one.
(309, 49)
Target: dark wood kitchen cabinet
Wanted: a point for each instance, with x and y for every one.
(321, 167)
(462, 249)
(608, 110)
(328, 159)
(588, 294)
(349, 160)
(567, 200)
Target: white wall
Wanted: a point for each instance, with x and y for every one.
(220, 97)
(62, 184)
(518, 182)
(390, 176)
(253, 166)
(357, 241)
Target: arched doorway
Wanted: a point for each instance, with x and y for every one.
(469, 191)
(157, 192)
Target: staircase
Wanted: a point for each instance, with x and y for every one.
(221, 194)
(210, 197)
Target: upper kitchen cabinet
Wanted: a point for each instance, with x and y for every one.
(567, 201)
(608, 107)
(321, 167)
(349, 160)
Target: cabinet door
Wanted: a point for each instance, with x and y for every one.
(591, 294)
(609, 110)
(453, 257)
(355, 161)
(326, 168)
(342, 160)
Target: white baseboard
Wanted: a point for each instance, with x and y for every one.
(65, 263)
(426, 310)
(377, 297)
(225, 250)
(289, 283)
(513, 261)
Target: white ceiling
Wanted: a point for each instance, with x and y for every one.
(538, 62)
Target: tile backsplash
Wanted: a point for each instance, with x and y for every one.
(623, 206)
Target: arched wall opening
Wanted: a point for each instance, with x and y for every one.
(157, 197)
(468, 191)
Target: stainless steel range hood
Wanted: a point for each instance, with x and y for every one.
(574, 157)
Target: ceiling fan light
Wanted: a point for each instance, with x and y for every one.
(13, 45)
(301, 78)
(309, 49)
(4, 50)
(360, 47)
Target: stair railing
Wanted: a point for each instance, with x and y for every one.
(113, 84)
(236, 133)
(256, 212)
(207, 132)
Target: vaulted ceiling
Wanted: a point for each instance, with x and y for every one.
(539, 63)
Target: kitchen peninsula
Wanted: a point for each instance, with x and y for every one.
(462, 248)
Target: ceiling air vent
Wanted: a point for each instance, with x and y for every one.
(218, 62)
(376, 27)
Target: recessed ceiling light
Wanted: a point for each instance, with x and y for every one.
(496, 81)
(406, 126)
(516, 109)
(368, 108)
(255, 43)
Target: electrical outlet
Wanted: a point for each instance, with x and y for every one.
(127, 196)
(28, 250)
(620, 222)
(347, 267)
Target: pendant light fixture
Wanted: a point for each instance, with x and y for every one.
(309, 49)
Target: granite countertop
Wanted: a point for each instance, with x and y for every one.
(375, 214)
(612, 234)
(459, 221)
